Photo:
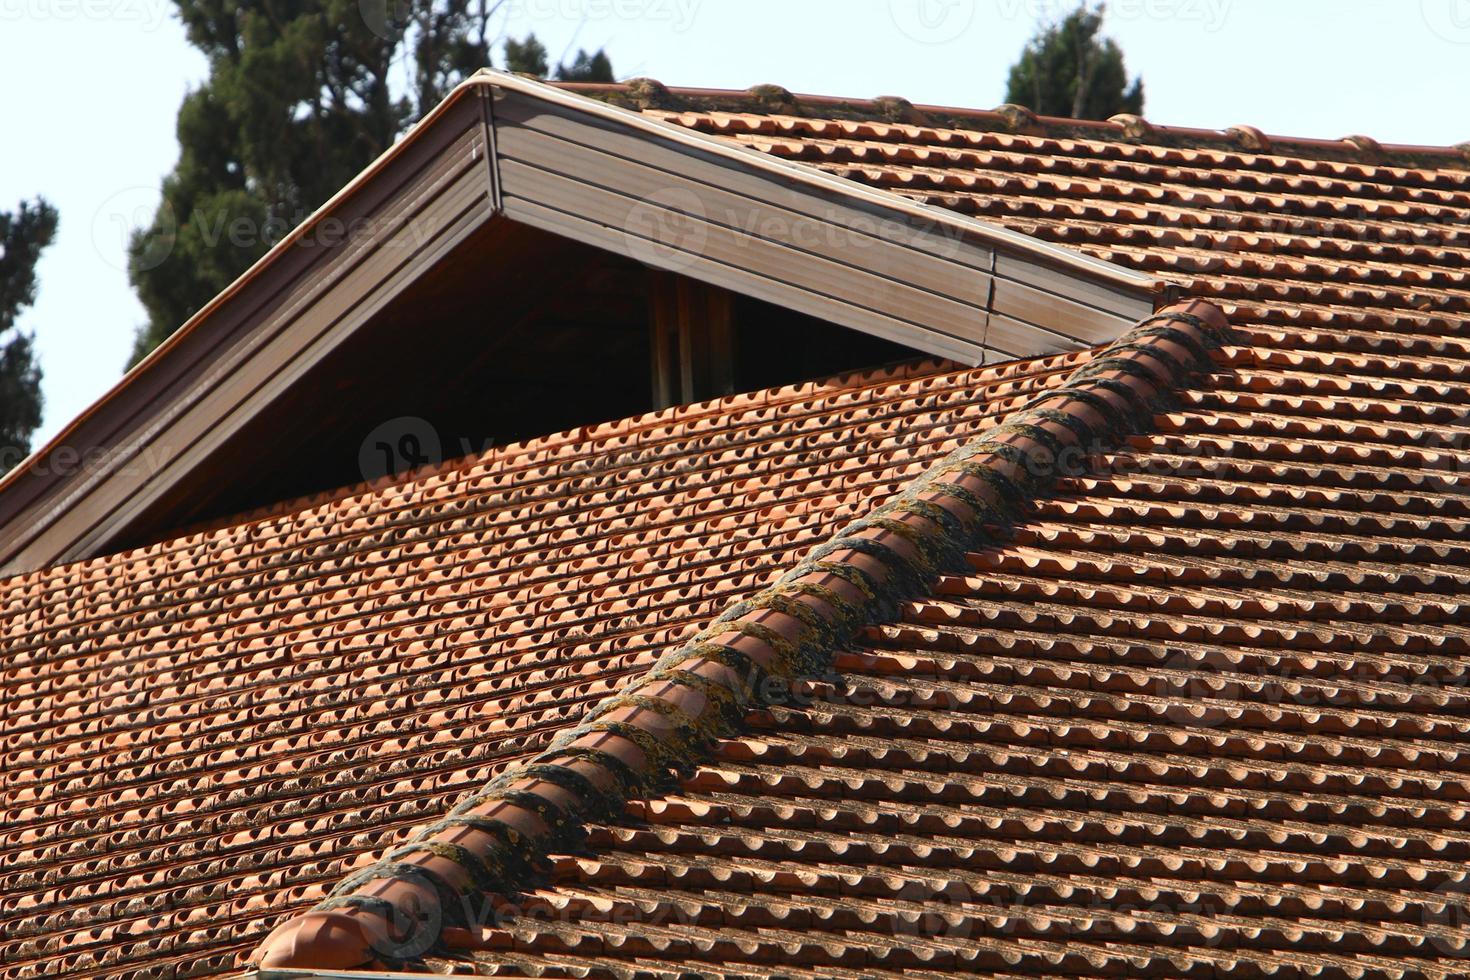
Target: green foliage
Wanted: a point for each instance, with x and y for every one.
(24, 235)
(301, 96)
(527, 57)
(587, 68)
(1068, 70)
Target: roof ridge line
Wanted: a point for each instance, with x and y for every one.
(455, 873)
(1014, 119)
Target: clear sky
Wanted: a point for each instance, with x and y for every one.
(89, 90)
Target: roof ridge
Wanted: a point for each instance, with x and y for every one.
(648, 93)
(454, 873)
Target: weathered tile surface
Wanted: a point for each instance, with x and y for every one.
(1206, 713)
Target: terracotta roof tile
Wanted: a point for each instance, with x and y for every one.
(223, 724)
(1202, 713)
(493, 840)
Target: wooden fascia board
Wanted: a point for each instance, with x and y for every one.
(790, 234)
(1085, 266)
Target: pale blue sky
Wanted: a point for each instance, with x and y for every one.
(90, 89)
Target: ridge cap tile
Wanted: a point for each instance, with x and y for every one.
(630, 746)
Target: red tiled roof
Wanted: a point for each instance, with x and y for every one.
(748, 658)
(1202, 713)
(210, 731)
(1324, 234)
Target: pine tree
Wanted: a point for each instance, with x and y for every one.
(586, 68)
(24, 235)
(301, 96)
(1067, 70)
(527, 57)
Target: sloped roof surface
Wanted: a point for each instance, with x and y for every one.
(206, 733)
(1204, 714)
(1297, 231)
(1197, 715)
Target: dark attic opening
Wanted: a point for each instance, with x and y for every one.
(514, 334)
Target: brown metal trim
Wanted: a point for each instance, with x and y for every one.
(492, 155)
(901, 275)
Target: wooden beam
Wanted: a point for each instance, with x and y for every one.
(691, 338)
(663, 338)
